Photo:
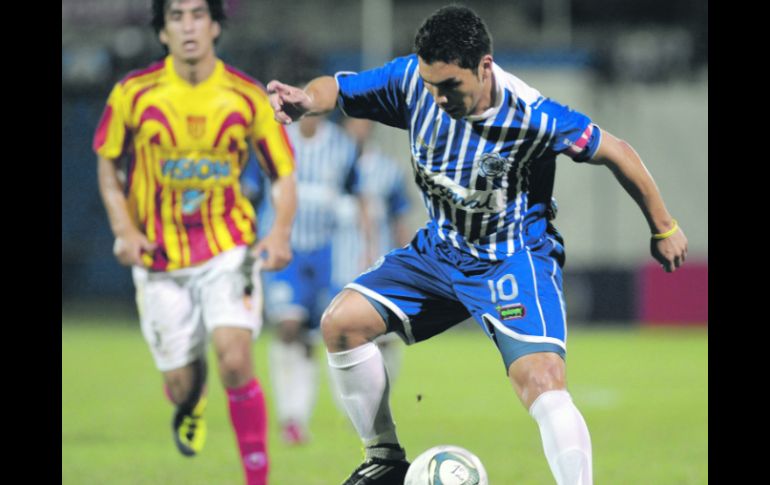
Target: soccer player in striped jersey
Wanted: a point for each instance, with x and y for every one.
(484, 146)
(296, 296)
(181, 222)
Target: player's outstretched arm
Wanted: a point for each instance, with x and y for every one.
(291, 103)
(129, 240)
(668, 244)
(276, 245)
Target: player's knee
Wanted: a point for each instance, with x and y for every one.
(339, 331)
(333, 324)
(350, 321)
(535, 374)
(234, 367)
(543, 379)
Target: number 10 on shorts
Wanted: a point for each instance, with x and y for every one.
(505, 289)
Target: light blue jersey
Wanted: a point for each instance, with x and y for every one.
(383, 184)
(326, 170)
(486, 180)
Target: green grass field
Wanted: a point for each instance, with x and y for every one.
(643, 392)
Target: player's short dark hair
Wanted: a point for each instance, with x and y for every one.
(453, 34)
(216, 10)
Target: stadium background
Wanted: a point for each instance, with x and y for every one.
(639, 69)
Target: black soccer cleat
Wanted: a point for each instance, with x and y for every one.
(379, 471)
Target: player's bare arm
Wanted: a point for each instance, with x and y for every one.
(276, 245)
(368, 229)
(129, 240)
(291, 103)
(617, 155)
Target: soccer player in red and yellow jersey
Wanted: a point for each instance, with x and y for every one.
(180, 219)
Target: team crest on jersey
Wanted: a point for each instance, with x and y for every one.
(196, 126)
(492, 165)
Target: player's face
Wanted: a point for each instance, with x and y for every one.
(458, 91)
(189, 32)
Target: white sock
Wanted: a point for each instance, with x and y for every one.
(566, 441)
(294, 379)
(392, 349)
(360, 379)
(334, 388)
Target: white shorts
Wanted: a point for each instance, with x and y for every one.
(178, 309)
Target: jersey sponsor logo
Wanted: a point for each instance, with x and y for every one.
(492, 165)
(192, 173)
(511, 312)
(196, 126)
(471, 200)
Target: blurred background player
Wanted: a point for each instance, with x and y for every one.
(180, 220)
(484, 146)
(383, 186)
(296, 296)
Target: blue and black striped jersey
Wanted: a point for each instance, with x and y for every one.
(486, 180)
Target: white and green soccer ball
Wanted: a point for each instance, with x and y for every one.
(446, 465)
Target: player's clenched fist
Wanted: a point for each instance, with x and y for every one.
(128, 248)
(289, 103)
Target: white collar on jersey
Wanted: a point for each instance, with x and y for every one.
(499, 75)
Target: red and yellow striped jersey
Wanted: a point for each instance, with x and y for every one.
(187, 146)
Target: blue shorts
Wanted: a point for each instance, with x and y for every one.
(430, 286)
(300, 291)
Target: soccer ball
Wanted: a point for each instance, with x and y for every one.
(446, 465)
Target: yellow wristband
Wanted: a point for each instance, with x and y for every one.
(669, 233)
